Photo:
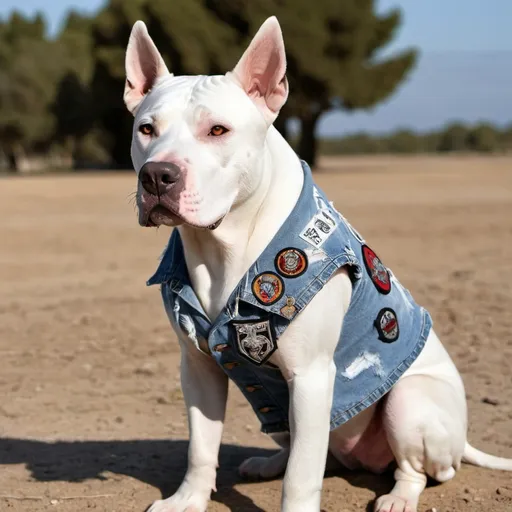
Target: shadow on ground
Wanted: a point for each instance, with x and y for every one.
(159, 463)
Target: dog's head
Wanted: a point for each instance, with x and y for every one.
(197, 140)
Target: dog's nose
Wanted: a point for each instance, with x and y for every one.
(158, 177)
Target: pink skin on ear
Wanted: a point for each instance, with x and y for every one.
(261, 70)
(144, 65)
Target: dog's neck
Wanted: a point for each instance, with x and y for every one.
(217, 259)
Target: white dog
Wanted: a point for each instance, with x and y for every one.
(210, 162)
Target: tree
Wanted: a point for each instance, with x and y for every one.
(404, 141)
(73, 106)
(29, 65)
(333, 55)
(453, 138)
(483, 138)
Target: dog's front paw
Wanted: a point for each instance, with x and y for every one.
(391, 503)
(186, 499)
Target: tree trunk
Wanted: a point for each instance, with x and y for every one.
(282, 127)
(12, 160)
(308, 146)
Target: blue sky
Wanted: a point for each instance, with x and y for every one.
(464, 71)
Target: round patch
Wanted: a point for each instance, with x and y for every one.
(268, 287)
(291, 262)
(386, 324)
(377, 271)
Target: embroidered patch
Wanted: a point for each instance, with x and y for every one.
(289, 310)
(267, 288)
(386, 324)
(291, 262)
(255, 341)
(319, 228)
(378, 272)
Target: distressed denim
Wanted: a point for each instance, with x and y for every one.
(383, 331)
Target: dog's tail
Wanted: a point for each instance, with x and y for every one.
(484, 460)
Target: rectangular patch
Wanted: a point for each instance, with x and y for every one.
(319, 228)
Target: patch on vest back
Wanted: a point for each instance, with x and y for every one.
(378, 273)
(267, 287)
(291, 262)
(386, 324)
(255, 340)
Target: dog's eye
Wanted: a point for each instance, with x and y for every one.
(218, 130)
(146, 129)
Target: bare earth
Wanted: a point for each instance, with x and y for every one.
(91, 412)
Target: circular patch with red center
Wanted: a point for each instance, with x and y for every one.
(378, 273)
(267, 287)
(291, 262)
(386, 324)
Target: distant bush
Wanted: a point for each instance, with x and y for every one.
(454, 137)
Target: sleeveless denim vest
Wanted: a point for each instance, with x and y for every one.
(382, 334)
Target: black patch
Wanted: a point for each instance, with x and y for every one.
(255, 340)
(387, 326)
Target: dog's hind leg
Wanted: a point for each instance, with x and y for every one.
(425, 422)
(263, 468)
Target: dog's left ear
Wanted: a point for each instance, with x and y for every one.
(144, 65)
(261, 70)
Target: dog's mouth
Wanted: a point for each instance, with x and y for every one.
(160, 215)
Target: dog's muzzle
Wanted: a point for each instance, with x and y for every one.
(158, 177)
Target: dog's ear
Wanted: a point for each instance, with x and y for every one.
(261, 70)
(144, 65)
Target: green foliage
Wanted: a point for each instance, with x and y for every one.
(64, 94)
(333, 55)
(455, 137)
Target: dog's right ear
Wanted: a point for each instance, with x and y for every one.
(144, 65)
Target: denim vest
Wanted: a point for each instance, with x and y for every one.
(382, 334)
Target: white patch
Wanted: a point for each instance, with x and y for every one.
(319, 228)
(187, 324)
(315, 255)
(363, 362)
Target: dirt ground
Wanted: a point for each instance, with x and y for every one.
(91, 413)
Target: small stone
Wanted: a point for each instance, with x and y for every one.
(490, 401)
(146, 369)
(54, 502)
